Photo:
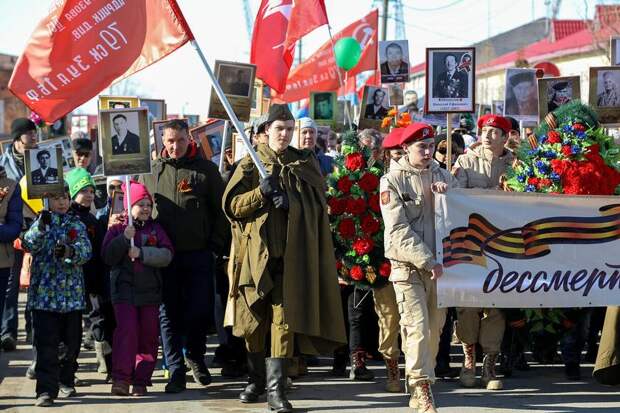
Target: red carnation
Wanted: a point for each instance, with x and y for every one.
(72, 234)
(337, 206)
(354, 161)
(559, 166)
(554, 137)
(385, 269)
(346, 228)
(368, 182)
(344, 184)
(363, 246)
(357, 273)
(356, 206)
(532, 181)
(338, 265)
(578, 127)
(373, 203)
(544, 182)
(369, 225)
(566, 150)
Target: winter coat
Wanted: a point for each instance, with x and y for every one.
(311, 296)
(139, 282)
(607, 367)
(93, 269)
(408, 216)
(11, 218)
(188, 202)
(13, 170)
(473, 170)
(57, 284)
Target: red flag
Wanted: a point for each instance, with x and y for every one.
(319, 71)
(279, 25)
(81, 47)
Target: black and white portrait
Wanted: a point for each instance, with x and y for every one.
(126, 139)
(614, 50)
(322, 106)
(554, 92)
(498, 107)
(395, 91)
(521, 95)
(608, 88)
(125, 143)
(376, 103)
(45, 166)
(450, 80)
(237, 82)
(236, 79)
(394, 61)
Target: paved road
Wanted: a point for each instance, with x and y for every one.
(542, 389)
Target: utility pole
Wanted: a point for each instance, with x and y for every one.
(386, 5)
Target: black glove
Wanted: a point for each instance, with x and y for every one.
(45, 219)
(280, 200)
(61, 250)
(268, 186)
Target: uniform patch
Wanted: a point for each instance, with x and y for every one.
(385, 197)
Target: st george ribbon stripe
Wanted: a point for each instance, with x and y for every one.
(469, 244)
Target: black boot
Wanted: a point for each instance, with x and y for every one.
(359, 371)
(339, 366)
(256, 378)
(276, 386)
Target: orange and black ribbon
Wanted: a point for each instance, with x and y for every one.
(470, 244)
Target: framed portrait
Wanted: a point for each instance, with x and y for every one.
(498, 107)
(614, 50)
(521, 95)
(450, 80)
(43, 167)
(124, 136)
(395, 91)
(296, 139)
(97, 158)
(257, 98)
(322, 132)
(374, 108)
(605, 94)
(156, 107)
(5, 145)
(554, 92)
(323, 107)
(265, 105)
(210, 137)
(236, 80)
(394, 61)
(238, 148)
(158, 133)
(118, 102)
(117, 203)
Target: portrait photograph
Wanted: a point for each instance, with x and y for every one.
(605, 94)
(43, 168)
(257, 98)
(156, 107)
(237, 83)
(117, 205)
(209, 136)
(450, 80)
(323, 107)
(238, 148)
(118, 102)
(394, 61)
(614, 50)
(498, 107)
(521, 95)
(375, 106)
(124, 136)
(554, 92)
(395, 91)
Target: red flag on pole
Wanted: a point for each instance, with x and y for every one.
(279, 25)
(82, 47)
(319, 71)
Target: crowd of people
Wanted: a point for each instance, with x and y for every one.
(250, 257)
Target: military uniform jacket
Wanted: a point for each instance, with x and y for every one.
(474, 170)
(408, 216)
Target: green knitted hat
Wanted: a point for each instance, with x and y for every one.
(78, 179)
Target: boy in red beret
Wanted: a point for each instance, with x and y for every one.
(407, 210)
(483, 166)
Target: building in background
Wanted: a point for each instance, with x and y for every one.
(10, 106)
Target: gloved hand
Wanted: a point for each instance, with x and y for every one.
(280, 200)
(268, 186)
(45, 219)
(62, 250)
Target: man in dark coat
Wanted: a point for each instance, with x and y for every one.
(44, 174)
(187, 192)
(284, 282)
(124, 142)
(452, 83)
(376, 110)
(394, 69)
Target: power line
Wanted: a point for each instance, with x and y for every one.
(434, 8)
(447, 36)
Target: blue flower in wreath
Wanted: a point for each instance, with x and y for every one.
(532, 152)
(521, 178)
(542, 167)
(542, 139)
(576, 149)
(530, 188)
(550, 155)
(554, 176)
(567, 128)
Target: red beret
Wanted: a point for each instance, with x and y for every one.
(496, 121)
(392, 140)
(417, 131)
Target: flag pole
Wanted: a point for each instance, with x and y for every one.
(222, 148)
(347, 115)
(231, 114)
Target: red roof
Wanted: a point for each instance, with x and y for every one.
(564, 28)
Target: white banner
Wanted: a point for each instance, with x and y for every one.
(507, 249)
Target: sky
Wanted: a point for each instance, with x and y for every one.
(220, 29)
